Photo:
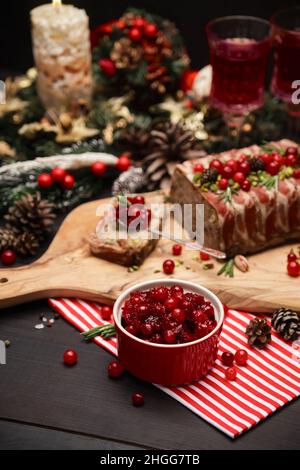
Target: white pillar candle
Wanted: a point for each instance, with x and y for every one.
(62, 53)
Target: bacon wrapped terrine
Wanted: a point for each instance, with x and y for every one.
(251, 196)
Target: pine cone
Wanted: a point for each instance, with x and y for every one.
(125, 54)
(26, 244)
(31, 213)
(135, 140)
(256, 164)
(209, 176)
(168, 144)
(7, 238)
(259, 333)
(287, 323)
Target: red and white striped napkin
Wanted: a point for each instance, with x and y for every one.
(270, 380)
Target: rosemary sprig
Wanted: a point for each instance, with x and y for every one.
(226, 196)
(106, 331)
(227, 268)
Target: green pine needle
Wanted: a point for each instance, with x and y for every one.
(106, 331)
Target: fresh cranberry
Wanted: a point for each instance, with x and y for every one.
(135, 34)
(138, 399)
(293, 268)
(232, 164)
(292, 160)
(115, 369)
(123, 163)
(178, 315)
(70, 357)
(58, 174)
(244, 168)
(227, 172)
(266, 158)
(239, 177)
(138, 200)
(231, 373)
(171, 303)
(273, 168)
(198, 168)
(106, 313)
(68, 182)
(227, 358)
(45, 181)
(168, 266)
(241, 357)
(176, 250)
(217, 165)
(8, 257)
(98, 168)
(292, 256)
(246, 185)
(150, 30)
(169, 336)
(291, 151)
(223, 184)
(296, 173)
(204, 256)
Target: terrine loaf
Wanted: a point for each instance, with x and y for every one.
(251, 196)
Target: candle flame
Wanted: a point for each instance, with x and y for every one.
(56, 3)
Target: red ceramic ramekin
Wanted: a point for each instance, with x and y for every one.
(165, 364)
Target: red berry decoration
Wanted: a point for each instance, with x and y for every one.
(217, 165)
(296, 173)
(150, 30)
(291, 151)
(98, 168)
(135, 34)
(68, 182)
(123, 163)
(227, 358)
(293, 268)
(292, 160)
(292, 256)
(239, 177)
(244, 168)
(8, 257)
(70, 357)
(108, 67)
(138, 399)
(177, 250)
(198, 168)
(168, 266)
(204, 256)
(58, 174)
(273, 168)
(106, 312)
(266, 158)
(223, 184)
(230, 373)
(241, 357)
(115, 369)
(227, 172)
(246, 185)
(45, 181)
(232, 164)
(139, 22)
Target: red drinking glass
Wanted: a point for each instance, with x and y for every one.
(239, 51)
(286, 39)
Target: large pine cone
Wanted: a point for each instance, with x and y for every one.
(259, 333)
(135, 140)
(7, 238)
(168, 144)
(287, 323)
(26, 244)
(32, 214)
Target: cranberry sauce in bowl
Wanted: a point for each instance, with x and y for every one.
(168, 315)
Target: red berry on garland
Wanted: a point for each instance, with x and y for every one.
(123, 163)
(138, 399)
(227, 358)
(230, 373)
(291, 151)
(45, 180)
(177, 250)
(293, 268)
(98, 168)
(291, 160)
(135, 34)
(266, 158)
(150, 30)
(198, 168)
(223, 184)
(244, 168)
(292, 256)
(138, 22)
(241, 357)
(58, 174)
(217, 164)
(233, 164)
(204, 256)
(227, 172)
(115, 369)
(106, 312)
(68, 182)
(108, 67)
(296, 173)
(239, 177)
(168, 266)
(273, 168)
(8, 257)
(70, 357)
(246, 185)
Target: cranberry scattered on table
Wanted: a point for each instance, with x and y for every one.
(115, 369)
(138, 399)
(70, 357)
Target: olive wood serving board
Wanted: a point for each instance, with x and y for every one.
(67, 269)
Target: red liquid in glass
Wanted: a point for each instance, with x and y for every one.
(287, 64)
(239, 67)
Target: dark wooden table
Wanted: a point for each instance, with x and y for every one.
(45, 405)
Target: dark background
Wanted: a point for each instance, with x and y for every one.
(189, 15)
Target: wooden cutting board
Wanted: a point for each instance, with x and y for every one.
(68, 269)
